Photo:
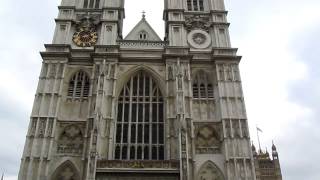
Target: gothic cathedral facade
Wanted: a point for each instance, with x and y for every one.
(138, 107)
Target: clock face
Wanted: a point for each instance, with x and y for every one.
(85, 37)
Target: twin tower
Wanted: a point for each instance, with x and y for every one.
(139, 107)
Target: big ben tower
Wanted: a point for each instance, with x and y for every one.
(138, 107)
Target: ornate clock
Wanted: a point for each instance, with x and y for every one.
(85, 37)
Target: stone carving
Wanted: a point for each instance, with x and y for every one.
(50, 126)
(112, 70)
(33, 126)
(94, 18)
(207, 138)
(109, 28)
(170, 164)
(199, 39)
(228, 128)
(61, 68)
(236, 128)
(42, 127)
(142, 44)
(53, 70)
(71, 140)
(209, 171)
(244, 128)
(198, 22)
(44, 70)
(170, 73)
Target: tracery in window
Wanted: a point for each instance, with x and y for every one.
(140, 120)
(91, 4)
(195, 5)
(202, 86)
(79, 85)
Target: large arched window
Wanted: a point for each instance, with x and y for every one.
(79, 85)
(195, 5)
(140, 120)
(202, 86)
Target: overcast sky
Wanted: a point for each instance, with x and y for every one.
(278, 39)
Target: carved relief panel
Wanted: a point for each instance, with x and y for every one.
(208, 138)
(71, 138)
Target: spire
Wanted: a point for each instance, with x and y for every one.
(2, 176)
(267, 153)
(274, 151)
(274, 148)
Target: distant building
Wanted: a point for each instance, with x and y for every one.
(139, 107)
(267, 168)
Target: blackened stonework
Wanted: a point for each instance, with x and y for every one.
(140, 107)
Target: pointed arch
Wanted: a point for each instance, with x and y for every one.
(66, 171)
(140, 119)
(125, 77)
(79, 85)
(209, 171)
(202, 86)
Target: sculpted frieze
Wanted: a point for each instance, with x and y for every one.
(71, 139)
(198, 22)
(208, 138)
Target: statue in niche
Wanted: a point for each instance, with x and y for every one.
(170, 73)
(112, 70)
(180, 83)
(186, 73)
(97, 71)
(53, 70)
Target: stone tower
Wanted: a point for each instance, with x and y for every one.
(267, 168)
(139, 107)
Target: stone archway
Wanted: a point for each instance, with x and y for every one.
(66, 171)
(209, 171)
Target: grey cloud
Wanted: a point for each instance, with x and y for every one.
(299, 144)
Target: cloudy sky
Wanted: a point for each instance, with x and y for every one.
(278, 39)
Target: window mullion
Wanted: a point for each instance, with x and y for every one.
(83, 81)
(75, 86)
(198, 5)
(143, 113)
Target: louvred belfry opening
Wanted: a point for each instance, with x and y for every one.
(140, 120)
(79, 85)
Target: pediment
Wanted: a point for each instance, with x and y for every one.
(143, 32)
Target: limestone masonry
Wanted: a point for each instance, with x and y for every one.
(138, 107)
